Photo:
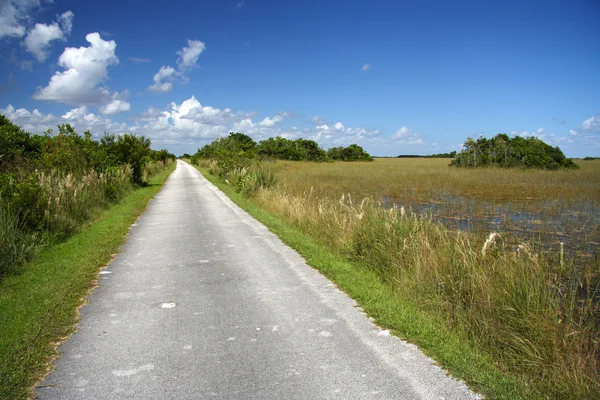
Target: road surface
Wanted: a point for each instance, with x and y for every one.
(204, 302)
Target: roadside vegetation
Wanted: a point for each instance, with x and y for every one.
(52, 184)
(526, 305)
(66, 204)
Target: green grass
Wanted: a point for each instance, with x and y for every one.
(448, 346)
(38, 308)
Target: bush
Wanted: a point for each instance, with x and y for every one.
(51, 184)
(503, 151)
(353, 152)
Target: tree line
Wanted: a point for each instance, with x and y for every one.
(504, 151)
(239, 145)
(452, 154)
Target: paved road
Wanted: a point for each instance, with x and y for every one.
(205, 302)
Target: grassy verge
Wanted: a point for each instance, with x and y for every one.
(38, 307)
(448, 346)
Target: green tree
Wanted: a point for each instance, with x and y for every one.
(335, 153)
(355, 152)
(16, 145)
(504, 151)
(133, 150)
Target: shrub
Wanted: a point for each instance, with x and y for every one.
(50, 184)
(503, 151)
(353, 152)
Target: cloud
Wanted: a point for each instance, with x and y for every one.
(407, 136)
(116, 106)
(80, 118)
(365, 67)
(270, 122)
(14, 16)
(239, 5)
(39, 37)
(164, 74)
(138, 60)
(587, 134)
(191, 121)
(317, 119)
(338, 134)
(591, 124)
(66, 21)
(188, 57)
(190, 124)
(86, 68)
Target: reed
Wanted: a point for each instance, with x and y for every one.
(58, 204)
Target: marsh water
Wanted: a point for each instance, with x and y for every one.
(546, 224)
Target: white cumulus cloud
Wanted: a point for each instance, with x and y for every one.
(162, 80)
(85, 70)
(587, 134)
(188, 57)
(339, 134)
(116, 106)
(191, 124)
(270, 122)
(39, 37)
(80, 118)
(591, 124)
(365, 67)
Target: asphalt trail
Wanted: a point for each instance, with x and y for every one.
(204, 302)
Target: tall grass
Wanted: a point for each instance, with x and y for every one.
(58, 204)
(537, 316)
(15, 244)
(244, 175)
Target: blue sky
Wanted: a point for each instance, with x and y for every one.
(397, 77)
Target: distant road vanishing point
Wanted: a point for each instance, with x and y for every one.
(205, 302)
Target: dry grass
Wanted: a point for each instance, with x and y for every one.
(549, 207)
(423, 180)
